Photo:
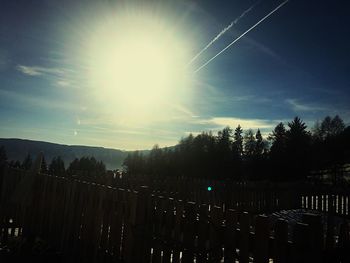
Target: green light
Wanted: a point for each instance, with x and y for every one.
(209, 188)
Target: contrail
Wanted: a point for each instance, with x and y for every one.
(246, 32)
(222, 32)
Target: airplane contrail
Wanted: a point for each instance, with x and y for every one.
(242, 35)
(222, 32)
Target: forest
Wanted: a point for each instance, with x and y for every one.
(84, 168)
(290, 152)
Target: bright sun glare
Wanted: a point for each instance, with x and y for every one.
(138, 63)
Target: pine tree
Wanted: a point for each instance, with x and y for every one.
(259, 144)
(238, 141)
(27, 162)
(56, 167)
(278, 139)
(298, 148)
(43, 168)
(249, 143)
(3, 156)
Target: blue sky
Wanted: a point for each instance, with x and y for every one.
(296, 62)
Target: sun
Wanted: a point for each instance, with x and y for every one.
(137, 63)
(137, 68)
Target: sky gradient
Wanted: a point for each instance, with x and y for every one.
(295, 63)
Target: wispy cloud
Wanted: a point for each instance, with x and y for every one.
(320, 110)
(59, 77)
(266, 50)
(297, 106)
(214, 99)
(38, 71)
(63, 83)
(215, 124)
(184, 112)
(244, 123)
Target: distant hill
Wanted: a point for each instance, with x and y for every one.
(17, 149)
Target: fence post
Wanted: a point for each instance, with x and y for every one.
(168, 226)
(230, 235)
(316, 235)
(215, 234)
(24, 196)
(244, 226)
(178, 228)
(189, 231)
(344, 242)
(281, 241)
(3, 217)
(261, 242)
(3, 172)
(301, 244)
(136, 243)
(143, 230)
(158, 223)
(116, 244)
(202, 233)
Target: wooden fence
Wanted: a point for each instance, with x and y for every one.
(89, 222)
(254, 197)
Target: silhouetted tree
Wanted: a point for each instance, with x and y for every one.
(3, 156)
(27, 162)
(298, 149)
(87, 168)
(56, 167)
(329, 127)
(15, 164)
(224, 154)
(225, 139)
(3, 161)
(316, 131)
(278, 137)
(249, 144)
(338, 126)
(328, 146)
(155, 161)
(278, 151)
(238, 141)
(134, 163)
(259, 144)
(237, 151)
(231, 155)
(43, 168)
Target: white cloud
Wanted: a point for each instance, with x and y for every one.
(38, 71)
(244, 123)
(31, 71)
(59, 77)
(63, 83)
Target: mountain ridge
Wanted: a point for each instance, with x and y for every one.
(17, 149)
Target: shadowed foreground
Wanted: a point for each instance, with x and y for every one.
(77, 221)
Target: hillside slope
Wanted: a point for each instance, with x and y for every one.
(17, 149)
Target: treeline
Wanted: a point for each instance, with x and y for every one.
(290, 152)
(85, 168)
